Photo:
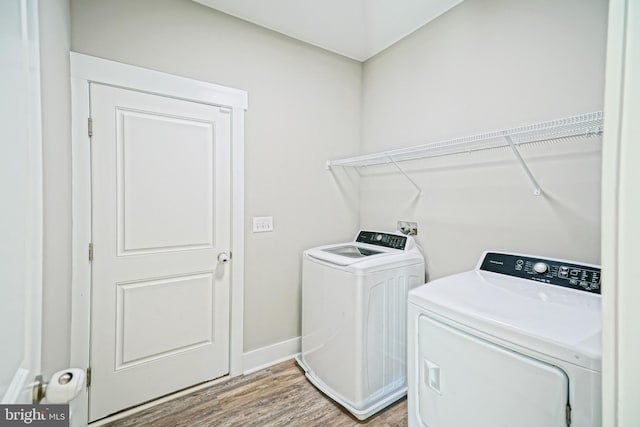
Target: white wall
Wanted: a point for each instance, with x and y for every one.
(486, 65)
(55, 38)
(304, 108)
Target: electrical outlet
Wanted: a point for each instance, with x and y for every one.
(408, 227)
(262, 224)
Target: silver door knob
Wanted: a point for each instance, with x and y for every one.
(223, 258)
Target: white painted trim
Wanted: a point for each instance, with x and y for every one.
(263, 357)
(620, 218)
(236, 320)
(123, 75)
(16, 387)
(81, 236)
(86, 69)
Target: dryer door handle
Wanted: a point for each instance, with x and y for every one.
(432, 375)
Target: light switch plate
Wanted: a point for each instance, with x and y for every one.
(262, 224)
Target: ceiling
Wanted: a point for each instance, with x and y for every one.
(358, 29)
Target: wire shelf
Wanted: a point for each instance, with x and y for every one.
(583, 125)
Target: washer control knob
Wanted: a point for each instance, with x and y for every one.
(540, 267)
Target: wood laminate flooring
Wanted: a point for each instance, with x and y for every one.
(276, 396)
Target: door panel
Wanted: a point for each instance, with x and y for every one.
(21, 189)
(178, 330)
(155, 213)
(160, 216)
(466, 381)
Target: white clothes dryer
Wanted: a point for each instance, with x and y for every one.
(514, 343)
(354, 299)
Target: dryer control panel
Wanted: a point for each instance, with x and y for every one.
(382, 239)
(554, 272)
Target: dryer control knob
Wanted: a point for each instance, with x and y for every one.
(540, 267)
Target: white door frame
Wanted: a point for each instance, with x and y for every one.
(84, 70)
(620, 213)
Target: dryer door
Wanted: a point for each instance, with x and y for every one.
(467, 381)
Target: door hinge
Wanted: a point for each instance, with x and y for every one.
(90, 126)
(89, 377)
(568, 414)
(90, 252)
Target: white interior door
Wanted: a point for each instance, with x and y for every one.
(160, 219)
(21, 190)
(621, 218)
(466, 381)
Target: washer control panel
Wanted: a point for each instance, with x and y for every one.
(382, 239)
(553, 272)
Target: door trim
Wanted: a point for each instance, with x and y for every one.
(87, 69)
(620, 224)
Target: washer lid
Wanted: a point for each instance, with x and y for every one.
(346, 254)
(560, 322)
(351, 251)
(370, 251)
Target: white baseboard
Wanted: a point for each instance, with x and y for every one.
(264, 357)
(16, 389)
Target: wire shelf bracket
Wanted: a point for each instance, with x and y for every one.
(580, 126)
(536, 187)
(420, 192)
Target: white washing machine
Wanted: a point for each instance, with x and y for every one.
(514, 343)
(354, 299)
